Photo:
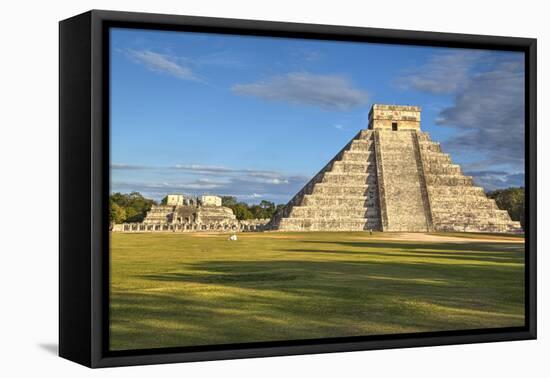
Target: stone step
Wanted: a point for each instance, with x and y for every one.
(404, 204)
(406, 218)
(411, 227)
(396, 152)
(410, 212)
(396, 166)
(391, 135)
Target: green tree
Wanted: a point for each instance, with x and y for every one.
(256, 211)
(229, 201)
(116, 213)
(511, 200)
(241, 211)
(134, 206)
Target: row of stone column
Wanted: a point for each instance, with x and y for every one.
(142, 227)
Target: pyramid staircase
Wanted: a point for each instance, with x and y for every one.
(404, 206)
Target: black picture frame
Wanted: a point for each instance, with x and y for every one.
(84, 187)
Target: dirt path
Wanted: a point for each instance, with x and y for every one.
(434, 238)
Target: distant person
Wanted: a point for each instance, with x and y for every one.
(233, 237)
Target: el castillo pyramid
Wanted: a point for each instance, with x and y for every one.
(392, 177)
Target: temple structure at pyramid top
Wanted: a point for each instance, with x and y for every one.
(394, 117)
(392, 177)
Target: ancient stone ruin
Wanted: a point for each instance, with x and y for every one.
(182, 213)
(392, 177)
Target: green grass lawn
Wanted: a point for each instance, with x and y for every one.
(179, 289)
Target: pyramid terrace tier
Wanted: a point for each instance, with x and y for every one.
(472, 215)
(448, 180)
(463, 202)
(348, 178)
(349, 201)
(333, 212)
(368, 166)
(316, 224)
(511, 227)
(344, 190)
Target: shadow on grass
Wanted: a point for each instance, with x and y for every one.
(217, 302)
(425, 254)
(497, 248)
(320, 289)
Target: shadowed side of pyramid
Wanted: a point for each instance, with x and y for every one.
(392, 177)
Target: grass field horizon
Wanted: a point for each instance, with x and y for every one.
(191, 289)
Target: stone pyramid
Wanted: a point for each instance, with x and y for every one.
(392, 177)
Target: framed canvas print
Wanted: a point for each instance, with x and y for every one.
(234, 188)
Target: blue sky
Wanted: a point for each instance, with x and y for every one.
(257, 117)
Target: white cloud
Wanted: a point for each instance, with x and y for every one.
(489, 113)
(333, 92)
(444, 73)
(128, 166)
(246, 184)
(487, 90)
(491, 180)
(161, 63)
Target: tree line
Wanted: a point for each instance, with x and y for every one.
(133, 207)
(127, 208)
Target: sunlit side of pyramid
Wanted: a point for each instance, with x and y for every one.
(392, 177)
